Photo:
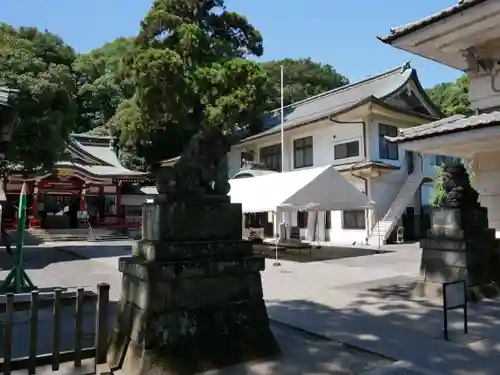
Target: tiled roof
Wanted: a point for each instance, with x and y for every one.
(448, 125)
(336, 101)
(99, 148)
(400, 31)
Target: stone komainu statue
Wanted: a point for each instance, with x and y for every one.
(457, 187)
(201, 170)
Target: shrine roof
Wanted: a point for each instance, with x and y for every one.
(96, 156)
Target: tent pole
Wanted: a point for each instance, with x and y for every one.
(276, 237)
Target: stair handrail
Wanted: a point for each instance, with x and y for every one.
(409, 182)
(416, 172)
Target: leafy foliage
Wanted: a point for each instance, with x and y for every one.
(302, 79)
(102, 84)
(438, 193)
(452, 97)
(190, 70)
(38, 64)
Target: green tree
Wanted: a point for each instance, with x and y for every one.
(190, 70)
(438, 191)
(452, 97)
(302, 78)
(102, 84)
(38, 64)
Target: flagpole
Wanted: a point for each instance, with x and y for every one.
(282, 115)
(282, 123)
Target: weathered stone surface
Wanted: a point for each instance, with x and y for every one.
(171, 251)
(192, 221)
(187, 341)
(458, 223)
(191, 292)
(171, 271)
(460, 246)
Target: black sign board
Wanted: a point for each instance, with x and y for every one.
(454, 297)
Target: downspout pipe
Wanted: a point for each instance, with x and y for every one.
(364, 179)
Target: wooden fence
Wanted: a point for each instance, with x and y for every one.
(56, 300)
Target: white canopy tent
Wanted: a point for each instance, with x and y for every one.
(321, 188)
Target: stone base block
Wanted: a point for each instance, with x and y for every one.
(194, 250)
(433, 291)
(186, 342)
(191, 221)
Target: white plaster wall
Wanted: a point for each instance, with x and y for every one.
(340, 235)
(487, 183)
(481, 95)
(325, 135)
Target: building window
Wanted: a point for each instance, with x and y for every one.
(302, 219)
(387, 150)
(271, 156)
(441, 159)
(346, 150)
(353, 219)
(328, 220)
(303, 152)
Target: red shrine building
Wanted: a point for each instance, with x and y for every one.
(89, 184)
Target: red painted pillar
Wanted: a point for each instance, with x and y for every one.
(119, 212)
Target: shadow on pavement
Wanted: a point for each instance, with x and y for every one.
(395, 331)
(40, 257)
(316, 254)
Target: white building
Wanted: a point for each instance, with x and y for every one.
(346, 127)
(465, 36)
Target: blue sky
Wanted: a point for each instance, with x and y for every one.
(338, 32)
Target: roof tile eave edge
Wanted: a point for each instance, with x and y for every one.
(399, 140)
(427, 21)
(340, 88)
(277, 128)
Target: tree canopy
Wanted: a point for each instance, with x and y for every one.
(102, 84)
(38, 64)
(190, 70)
(452, 97)
(302, 78)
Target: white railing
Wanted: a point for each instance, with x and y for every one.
(384, 226)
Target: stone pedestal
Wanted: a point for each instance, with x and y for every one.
(191, 293)
(459, 246)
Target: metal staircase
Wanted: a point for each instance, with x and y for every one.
(382, 229)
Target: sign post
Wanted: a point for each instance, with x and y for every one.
(454, 297)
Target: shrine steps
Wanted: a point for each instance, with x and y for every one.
(37, 236)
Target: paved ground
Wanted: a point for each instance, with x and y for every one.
(362, 301)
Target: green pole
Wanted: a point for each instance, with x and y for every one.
(17, 280)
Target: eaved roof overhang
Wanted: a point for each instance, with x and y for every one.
(454, 136)
(445, 37)
(399, 32)
(366, 105)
